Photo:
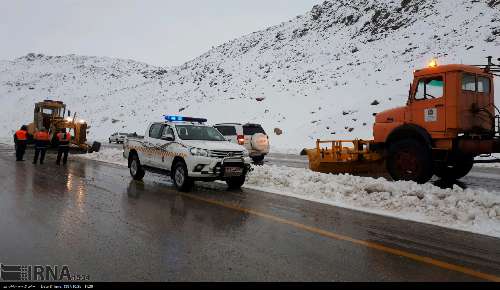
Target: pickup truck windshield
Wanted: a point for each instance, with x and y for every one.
(192, 132)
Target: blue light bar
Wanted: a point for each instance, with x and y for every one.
(184, 119)
(173, 118)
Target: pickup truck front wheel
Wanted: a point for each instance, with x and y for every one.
(136, 169)
(235, 182)
(181, 178)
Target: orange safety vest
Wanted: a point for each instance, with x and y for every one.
(42, 136)
(63, 136)
(21, 135)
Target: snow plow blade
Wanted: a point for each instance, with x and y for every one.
(335, 157)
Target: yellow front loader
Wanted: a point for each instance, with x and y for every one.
(50, 114)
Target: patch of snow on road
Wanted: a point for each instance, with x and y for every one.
(465, 209)
(7, 140)
(281, 150)
(109, 155)
(488, 165)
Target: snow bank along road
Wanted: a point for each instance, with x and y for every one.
(91, 216)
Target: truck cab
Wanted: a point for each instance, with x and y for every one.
(450, 113)
(187, 149)
(446, 101)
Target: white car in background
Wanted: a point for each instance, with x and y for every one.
(251, 136)
(117, 138)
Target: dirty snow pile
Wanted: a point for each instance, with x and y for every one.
(108, 155)
(472, 210)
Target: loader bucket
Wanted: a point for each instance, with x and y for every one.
(345, 156)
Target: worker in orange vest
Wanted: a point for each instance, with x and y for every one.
(42, 141)
(20, 140)
(63, 140)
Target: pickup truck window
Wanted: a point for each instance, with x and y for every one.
(227, 130)
(155, 131)
(167, 130)
(204, 133)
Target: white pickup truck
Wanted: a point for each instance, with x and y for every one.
(187, 150)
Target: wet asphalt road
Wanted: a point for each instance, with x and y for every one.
(90, 216)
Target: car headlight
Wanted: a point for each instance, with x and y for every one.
(198, 152)
(245, 153)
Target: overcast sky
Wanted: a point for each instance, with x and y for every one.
(159, 32)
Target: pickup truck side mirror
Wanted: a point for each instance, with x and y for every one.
(168, 137)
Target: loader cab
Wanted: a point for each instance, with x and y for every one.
(47, 112)
(451, 99)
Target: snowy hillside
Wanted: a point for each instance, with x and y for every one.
(319, 75)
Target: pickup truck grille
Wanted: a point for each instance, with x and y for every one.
(224, 154)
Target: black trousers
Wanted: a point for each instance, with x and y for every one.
(39, 151)
(62, 150)
(20, 149)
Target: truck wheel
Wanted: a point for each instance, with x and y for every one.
(409, 160)
(235, 182)
(181, 178)
(136, 170)
(257, 159)
(96, 146)
(458, 168)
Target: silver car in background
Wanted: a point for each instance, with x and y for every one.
(117, 138)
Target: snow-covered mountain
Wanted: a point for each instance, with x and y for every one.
(320, 75)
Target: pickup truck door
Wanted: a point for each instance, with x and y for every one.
(163, 148)
(151, 143)
(167, 156)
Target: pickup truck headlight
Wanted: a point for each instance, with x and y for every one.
(246, 154)
(198, 152)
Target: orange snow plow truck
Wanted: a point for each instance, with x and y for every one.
(450, 118)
